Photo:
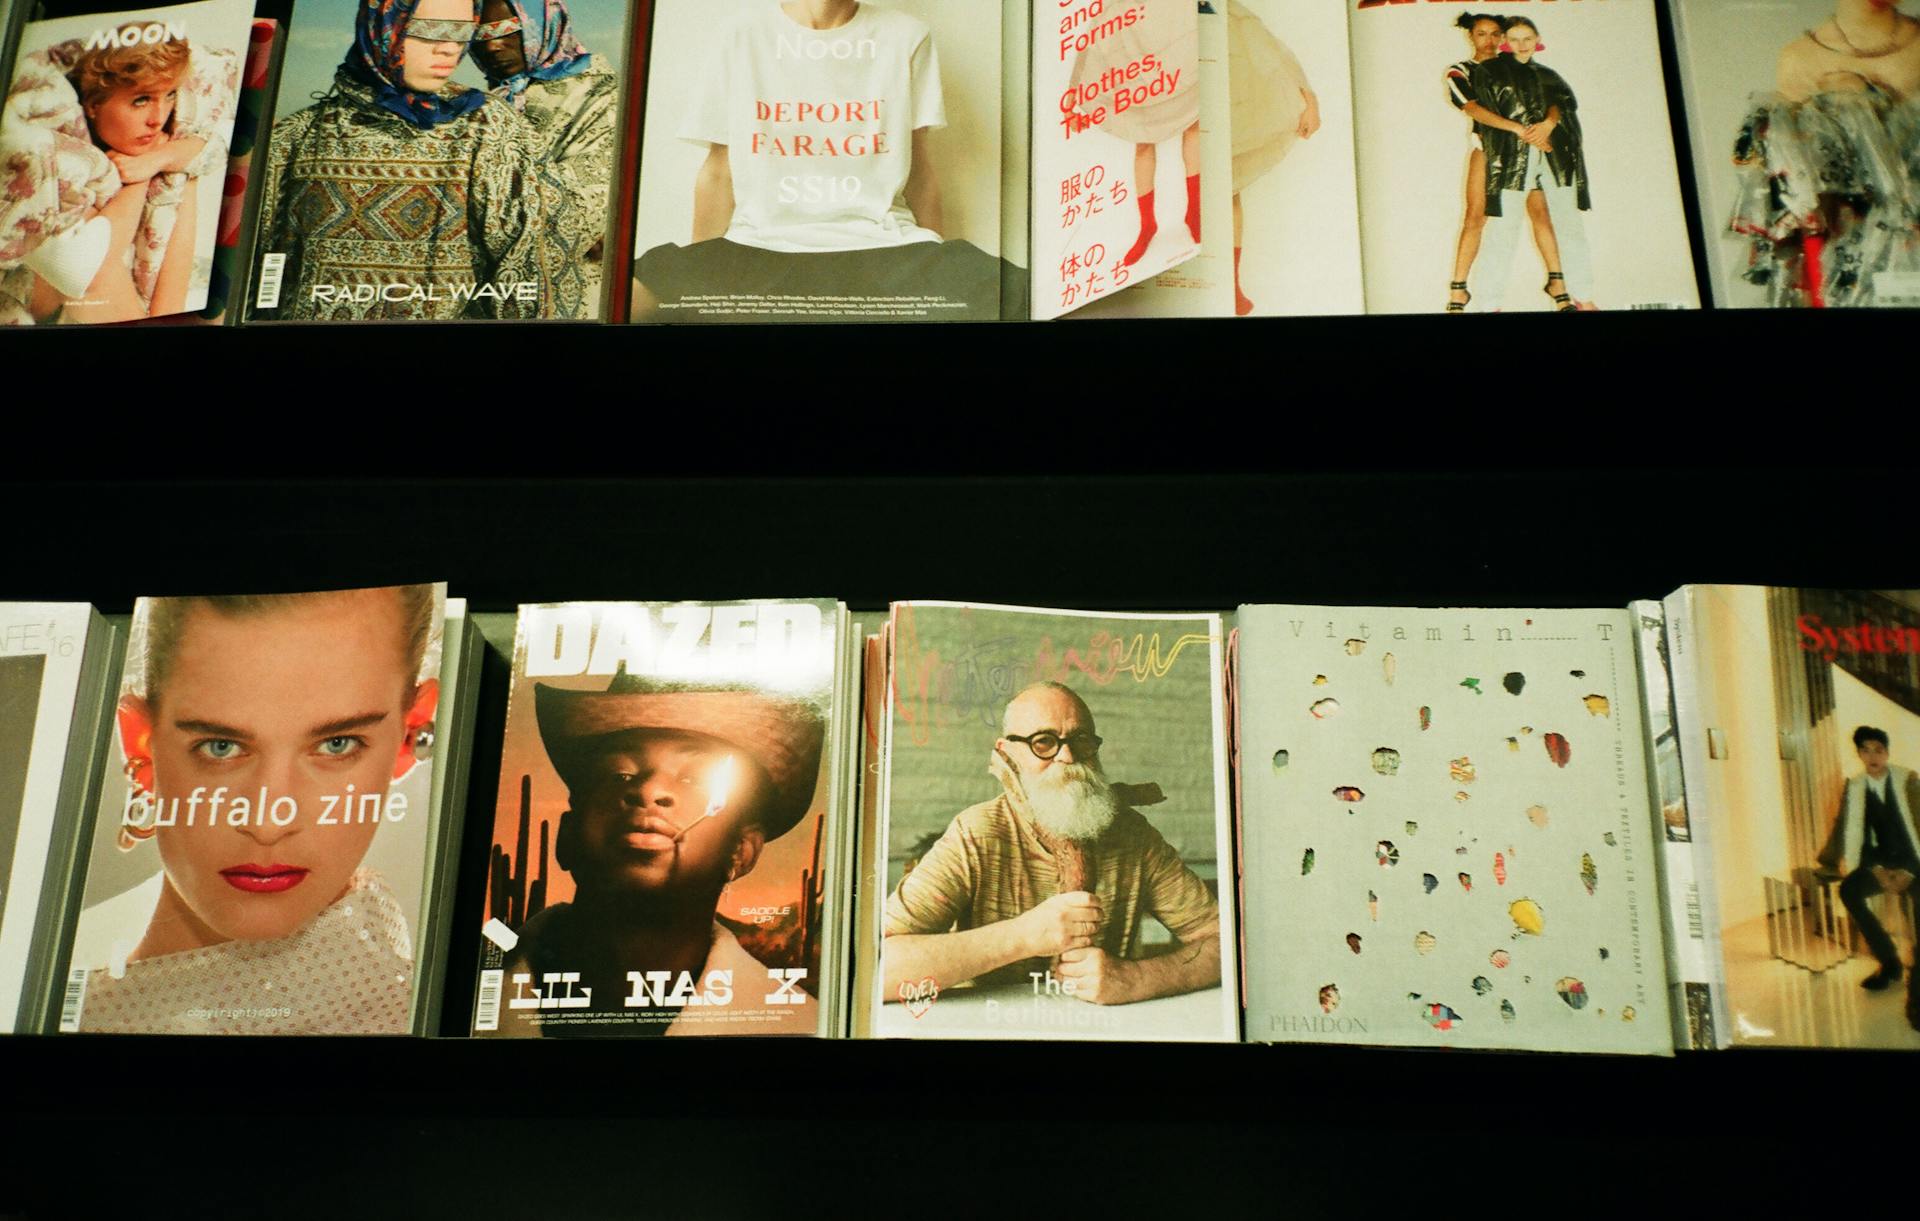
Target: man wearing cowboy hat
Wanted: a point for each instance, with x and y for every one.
(1054, 877)
(673, 791)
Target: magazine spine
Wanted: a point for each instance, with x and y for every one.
(1703, 988)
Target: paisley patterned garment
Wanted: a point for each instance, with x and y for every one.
(380, 218)
(573, 119)
(55, 177)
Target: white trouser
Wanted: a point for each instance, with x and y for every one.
(1493, 270)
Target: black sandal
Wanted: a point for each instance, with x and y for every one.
(1459, 307)
(1562, 303)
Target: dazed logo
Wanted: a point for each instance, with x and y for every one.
(671, 641)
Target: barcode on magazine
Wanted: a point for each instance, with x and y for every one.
(71, 1001)
(1696, 929)
(487, 1015)
(1657, 305)
(273, 270)
(1896, 288)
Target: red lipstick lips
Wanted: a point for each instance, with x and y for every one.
(264, 879)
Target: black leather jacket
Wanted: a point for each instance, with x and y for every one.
(1525, 92)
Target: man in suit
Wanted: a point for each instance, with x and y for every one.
(1875, 842)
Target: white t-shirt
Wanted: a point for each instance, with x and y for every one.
(819, 127)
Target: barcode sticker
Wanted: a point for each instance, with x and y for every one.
(1657, 305)
(1696, 927)
(71, 1002)
(487, 1015)
(1896, 288)
(273, 269)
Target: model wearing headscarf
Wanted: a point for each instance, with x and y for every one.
(570, 97)
(393, 201)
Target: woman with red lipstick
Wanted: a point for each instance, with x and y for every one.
(262, 739)
(673, 794)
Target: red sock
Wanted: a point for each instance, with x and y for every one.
(1241, 306)
(1814, 246)
(1193, 205)
(1148, 227)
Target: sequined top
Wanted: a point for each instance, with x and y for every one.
(348, 971)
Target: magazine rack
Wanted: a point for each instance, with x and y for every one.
(761, 1127)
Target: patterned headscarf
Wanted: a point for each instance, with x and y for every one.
(548, 45)
(379, 40)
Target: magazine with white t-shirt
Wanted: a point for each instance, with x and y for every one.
(808, 162)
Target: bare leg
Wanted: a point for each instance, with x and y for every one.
(1472, 226)
(1146, 163)
(1242, 306)
(1190, 148)
(1545, 238)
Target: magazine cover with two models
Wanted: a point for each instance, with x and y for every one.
(442, 159)
(1517, 156)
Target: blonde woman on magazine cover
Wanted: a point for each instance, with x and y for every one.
(263, 921)
(105, 149)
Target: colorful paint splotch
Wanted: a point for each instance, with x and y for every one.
(1430, 882)
(1482, 985)
(1527, 917)
(1306, 862)
(1329, 997)
(1461, 770)
(1571, 991)
(1280, 760)
(1322, 709)
(1537, 815)
(1607, 839)
(1499, 869)
(1578, 673)
(1513, 744)
(1558, 749)
(1348, 793)
(1388, 667)
(1597, 705)
(1526, 729)
(1473, 685)
(1466, 882)
(1385, 853)
(1506, 1010)
(1461, 795)
(1604, 954)
(1386, 760)
(1356, 647)
(1589, 876)
(1353, 942)
(1423, 942)
(1413, 828)
(1319, 680)
(1628, 1014)
(1373, 906)
(1426, 717)
(1438, 1016)
(1515, 682)
(1500, 959)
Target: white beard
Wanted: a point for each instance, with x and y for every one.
(1072, 800)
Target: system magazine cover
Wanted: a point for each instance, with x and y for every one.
(662, 823)
(1447, 831)
(1516, 157)
(1055, 828)
(258, 859)
(441, 159)
(824, 161)
(1279, 211)
(1799, 721)
(1806, 147)
(114, 137)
